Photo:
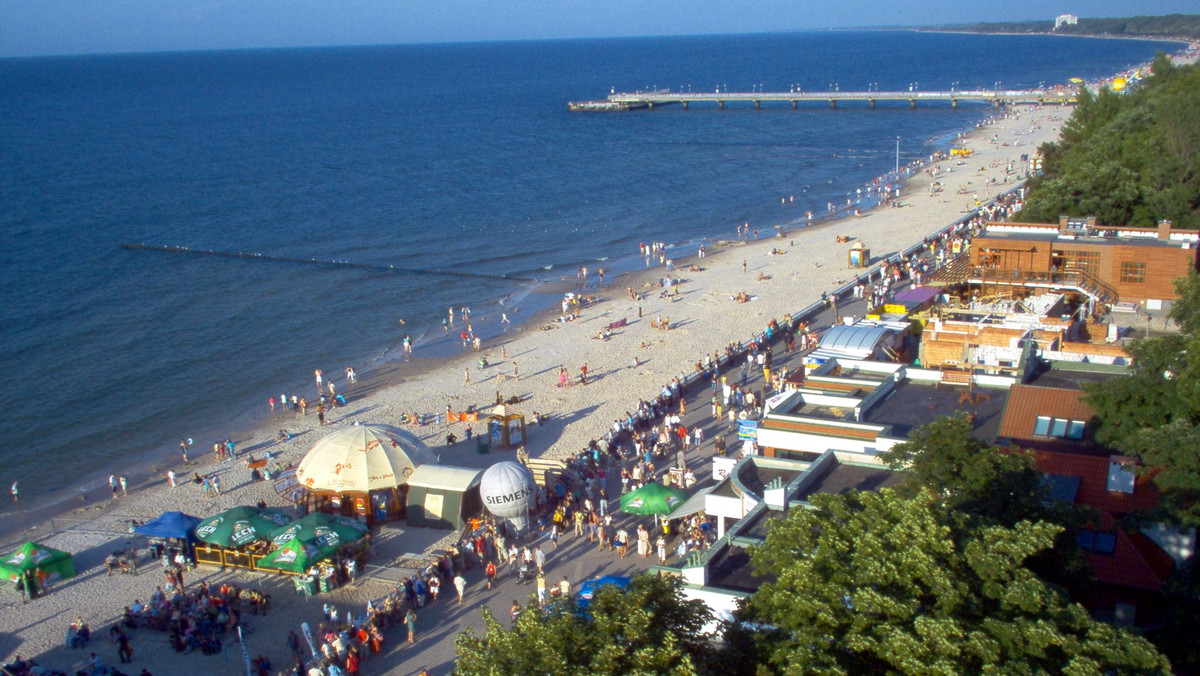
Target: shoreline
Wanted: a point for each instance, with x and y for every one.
(390, 370)
(703, 319)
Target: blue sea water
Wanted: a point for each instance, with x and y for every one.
(455, 157)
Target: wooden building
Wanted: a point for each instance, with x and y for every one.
(1108, 264)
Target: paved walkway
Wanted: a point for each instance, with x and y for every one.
(575, 558)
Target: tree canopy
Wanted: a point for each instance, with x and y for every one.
(647, 628)
(1153, 412)
(878, 583)
(1129, 158)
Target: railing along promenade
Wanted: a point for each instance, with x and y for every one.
(995, 97)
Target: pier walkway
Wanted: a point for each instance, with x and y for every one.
(995, 97)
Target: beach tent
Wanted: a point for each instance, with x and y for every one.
(653, 498)
(588, 589)
(362, 471)
(171, 525)
(443, 497)
(296, 556)
(240, 526)
(45, 562)
(321, 530)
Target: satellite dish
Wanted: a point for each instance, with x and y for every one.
(508, 490)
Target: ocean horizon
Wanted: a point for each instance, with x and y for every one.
(391, 183)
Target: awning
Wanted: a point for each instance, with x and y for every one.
(693, 504)
(444, 477)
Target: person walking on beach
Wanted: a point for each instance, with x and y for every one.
(516, 372)
(460, 585)
(466, 377)
(124, 486)
(320, 380)
(14, 492)
(271, 404)
(410, 619)
(352, 375)
(171, 477)
(112, 483)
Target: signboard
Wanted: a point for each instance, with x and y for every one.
(748, 430)
(722, 466)
(433, 505)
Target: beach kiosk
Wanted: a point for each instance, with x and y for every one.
(506, 427)
(859, 256)
(443, 497)
(362, 471)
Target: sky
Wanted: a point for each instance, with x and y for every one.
(51, 27)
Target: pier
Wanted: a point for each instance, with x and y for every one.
(654, 99)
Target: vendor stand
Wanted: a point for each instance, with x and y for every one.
(506, 427)
(362, 472)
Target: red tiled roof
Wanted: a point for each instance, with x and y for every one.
(1136, 561)
(1027, 402)
(1093, 486)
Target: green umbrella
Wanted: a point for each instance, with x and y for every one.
(39, 558)
(296, 557)
(320, 529)
(240, 526)
(653, 498)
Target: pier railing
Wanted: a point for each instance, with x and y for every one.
(995, 97)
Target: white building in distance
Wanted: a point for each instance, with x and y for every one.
(1069, 19)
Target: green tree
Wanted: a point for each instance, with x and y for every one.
(877, 583)
(965, 474)
(990, 486)
(648, 628)
(1153, 412)
(1129, 158)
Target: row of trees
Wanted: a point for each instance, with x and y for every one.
(1169, 25)
(1129, 158)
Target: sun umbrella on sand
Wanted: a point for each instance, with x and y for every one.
(296, 556)
(653, 498)
(240, 526)
(170, 525)
(321, 530)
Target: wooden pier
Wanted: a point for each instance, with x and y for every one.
(995, 97)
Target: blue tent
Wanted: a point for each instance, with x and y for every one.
(171, 525)
(587, 589)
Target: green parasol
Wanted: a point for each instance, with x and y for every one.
(240, 526)
(653, 498)
(46, 562)
(296, 556)
(321, 530)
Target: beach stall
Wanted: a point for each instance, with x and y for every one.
(506, 427)
(237, 537)
(859, 256)
(912, 301)
(362, 471)
(169, 534)
(34, 566)
(443, 497)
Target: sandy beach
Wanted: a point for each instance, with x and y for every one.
(703, 319)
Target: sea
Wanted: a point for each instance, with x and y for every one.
(370, 185)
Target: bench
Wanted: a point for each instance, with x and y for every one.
(956, 377)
